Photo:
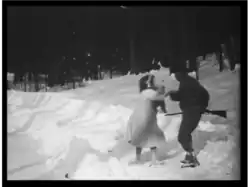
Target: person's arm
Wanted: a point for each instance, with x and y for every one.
(175, 95)
(153, 95)
(158, 98)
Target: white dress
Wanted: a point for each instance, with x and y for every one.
(142, 128)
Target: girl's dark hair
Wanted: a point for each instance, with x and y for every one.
(146, 82)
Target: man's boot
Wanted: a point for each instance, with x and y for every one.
(190, 160)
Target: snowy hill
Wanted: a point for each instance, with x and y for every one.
(72, 132)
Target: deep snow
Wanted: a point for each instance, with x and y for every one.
(52, 134)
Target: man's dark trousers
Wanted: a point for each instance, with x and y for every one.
(190, 120)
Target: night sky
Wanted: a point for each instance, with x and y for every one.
(42, 35)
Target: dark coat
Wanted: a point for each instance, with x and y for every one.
(190, 93)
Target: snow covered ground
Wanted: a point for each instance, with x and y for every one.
(79, 133)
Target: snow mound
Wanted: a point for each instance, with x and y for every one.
(56, 120)
(91, 168)
(171, 125)
(99, 116)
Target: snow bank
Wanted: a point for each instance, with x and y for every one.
(98, 115)
(57, 119)
(171, 125)
(91, 168)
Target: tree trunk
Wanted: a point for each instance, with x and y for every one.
(99, 73)
(46, 82)
(36, 82)
(25, 83)
(74, 84)
(232, 46)
(197, 69)
(31, 81)
(132, 56)
(111, 71)
(132, 32)
(220, 61)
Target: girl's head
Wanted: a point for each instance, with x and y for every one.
(146, 82)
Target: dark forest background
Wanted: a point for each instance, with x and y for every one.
(45, 39)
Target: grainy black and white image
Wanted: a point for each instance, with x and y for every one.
(123, 92)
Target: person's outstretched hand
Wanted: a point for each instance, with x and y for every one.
(169, 93)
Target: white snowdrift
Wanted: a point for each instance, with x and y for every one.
(56, 123)
(100, 117)
(91, 168)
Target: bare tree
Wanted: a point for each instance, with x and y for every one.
(131, 35)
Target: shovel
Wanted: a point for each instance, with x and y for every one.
(221, 113)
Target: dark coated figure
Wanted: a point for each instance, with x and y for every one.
(193, 100)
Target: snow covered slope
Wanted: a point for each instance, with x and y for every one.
(71, 133)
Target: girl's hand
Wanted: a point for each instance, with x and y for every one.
(168, 93)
